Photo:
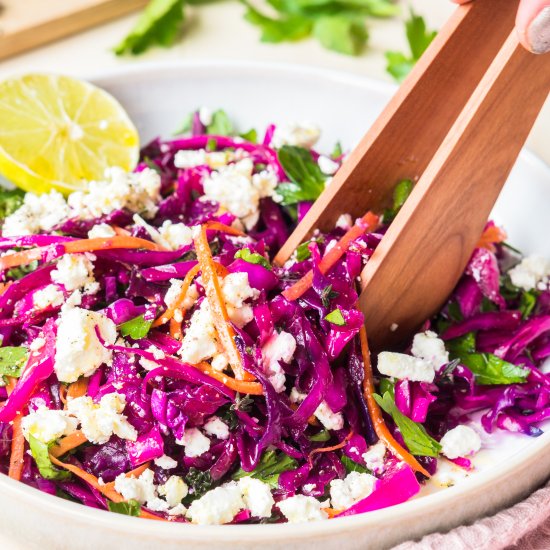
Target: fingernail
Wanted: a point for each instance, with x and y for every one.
(538, 33)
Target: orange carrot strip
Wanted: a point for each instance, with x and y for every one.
(175, 328)
(4, 287)
(68, 443)
(20, 258)
(369, 222)
(18, 441)
(332, 448)
(169, 313)
(120, 231)
(147, 515)
(242, 386)
(78, 388)
(218, 226)
(376, 415)
(491, 236)
(217, 305)
(331, 512)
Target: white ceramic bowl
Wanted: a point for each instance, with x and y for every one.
(157, 98)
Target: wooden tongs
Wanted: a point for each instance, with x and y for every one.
(455, 127)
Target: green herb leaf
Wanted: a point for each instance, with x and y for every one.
(129, 508)
(527, 302)
(186, 125)
(352, 466)
(220, 125)
(336, 318)
(323, 435)
(419, 38)
(401, 193)
(201, 482)
(337, 151)
(16, 273)
(271, 465)
(12, 360)
(302, 252)
(252, 257)
(10, 201)
(251, 135)
(40, 453)
(327, 294)
(415, 436)
(136, 328)
(341, 34)
(159, 24)
(459, 347)
(307, 180)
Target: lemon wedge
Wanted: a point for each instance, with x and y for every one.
(57, 132)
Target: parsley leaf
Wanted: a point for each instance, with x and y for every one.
(336, 318)
(323, 435)
(10, 201)
(220, 125)
(252, 257)
(251, 135)
(159, 24)
(303, 252)
(415, 436)
(129, 508)
(488, 369)
(352, 466)
(307, 181)
(341, 34)
(40, 453)
(16, 273)
(136, 328)
(200, 482)
(401, 193)
(419, 38)
(12, 359)
(270, 466)
(527, 302)
(327, 294)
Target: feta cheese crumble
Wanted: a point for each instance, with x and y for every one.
(79, 352)
(101, 231)
(175, 235)
(355, 487)
(174, 490)
(427, 346)
(217, 427)
(374, 457)
(280, 347)
(329, 419)
(218, 506)
(460, 441)
(165, 462)
(301, 509)
(47, 425)
(299, 134)
(49, 296)
(38, 213)
(256, 497)
(194, 442)
(405, 367)
(99, 421)
(532, 272)
(75, 271)
(327, 165)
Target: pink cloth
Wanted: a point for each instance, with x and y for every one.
(525, 526)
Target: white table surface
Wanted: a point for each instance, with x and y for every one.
(218, 31)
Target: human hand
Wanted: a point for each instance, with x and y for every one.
(532, 24)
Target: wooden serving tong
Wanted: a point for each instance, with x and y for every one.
(455, 127)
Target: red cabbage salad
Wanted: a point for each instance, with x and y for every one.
(154, 362)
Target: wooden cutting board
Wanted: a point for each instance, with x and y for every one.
(25, 24)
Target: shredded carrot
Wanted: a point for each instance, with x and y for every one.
(217, 305)
(147, 515)
(17, 442)
(78, 388)
(491, 236)
(242, 386)
(368, 223)
(332, 448)
(68, 443)
(121, 232)
(331, 512)
(4, 287)
(175, 328)
(178, 303)
(217, 226)
(376, 415)
(82, 245)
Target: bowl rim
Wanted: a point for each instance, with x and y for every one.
(249, 533)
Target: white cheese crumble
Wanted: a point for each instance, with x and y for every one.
(79, 352)
(460, 441)
(134, 191)
(217, 506)
(38, 213)
(75, 271)
(532, 272)
(165, 462)
(256, 497)
(205, 115)
(47, 425)
(194, 442)
(327, 165)
(427, 346)
(174, 291)
(174, 490)
(345, 221)
(329, 419)
(300, 134)
(374, 457)
(142, 488)
(355, 487)
(99, 421)
(301, 509)
(280, 347)
(217, 427)
(49, 296)
(175, 235)
(101, 230)
(405, 367)
(201, 157)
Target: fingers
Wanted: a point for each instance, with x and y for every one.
(533, 25)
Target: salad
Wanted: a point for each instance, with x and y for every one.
(156, 363)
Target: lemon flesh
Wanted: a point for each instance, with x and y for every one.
(57, 132)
